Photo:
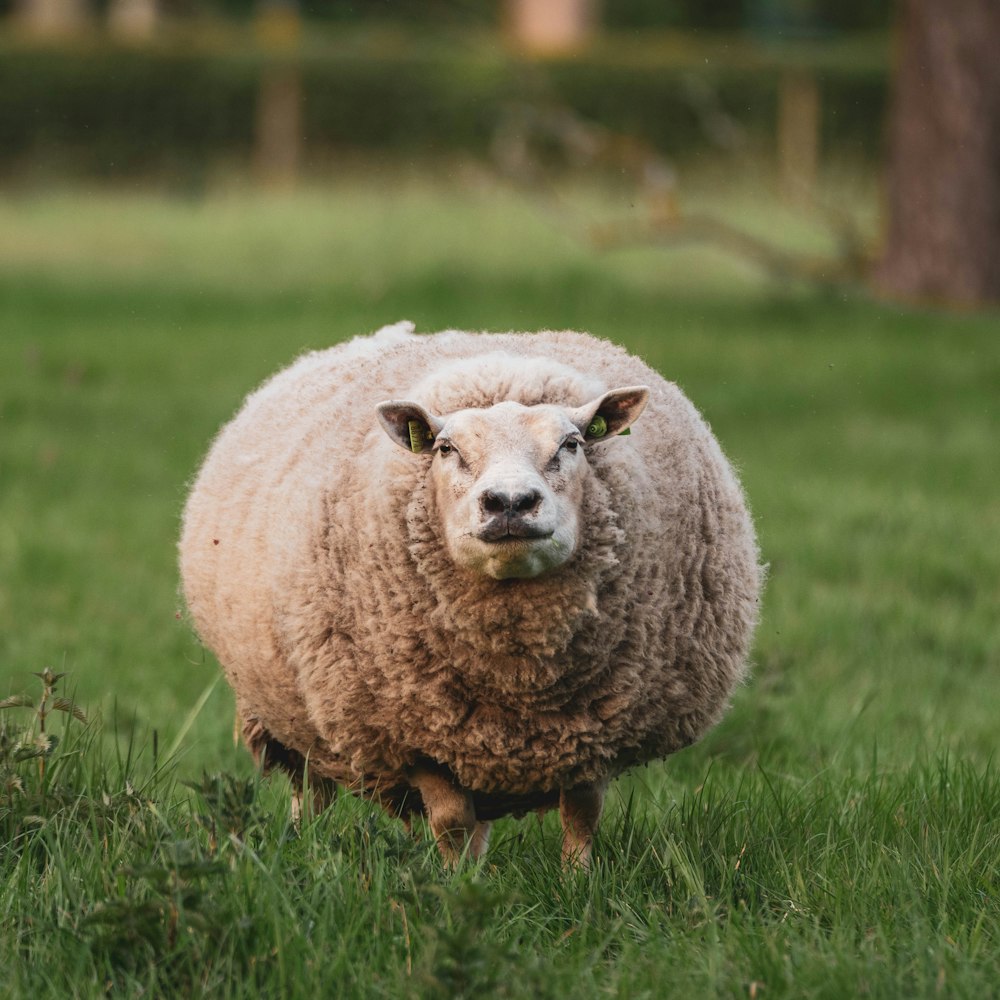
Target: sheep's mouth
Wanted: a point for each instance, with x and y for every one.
(519, 551)
(500, 532)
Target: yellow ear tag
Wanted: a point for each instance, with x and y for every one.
(418, 434)
(598, 427)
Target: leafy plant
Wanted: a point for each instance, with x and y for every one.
(158, 904)
(34, 742)
(465, 952)
(230, 808)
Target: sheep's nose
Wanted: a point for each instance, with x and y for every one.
(510, 504)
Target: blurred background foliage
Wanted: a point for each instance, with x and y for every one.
(172, 91)
(726, 15)
(190, 96)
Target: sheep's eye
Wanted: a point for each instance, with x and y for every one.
(571, 444)
(445, 449)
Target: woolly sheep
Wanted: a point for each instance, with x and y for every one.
(436, 572)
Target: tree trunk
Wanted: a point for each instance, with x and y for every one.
(943, 179)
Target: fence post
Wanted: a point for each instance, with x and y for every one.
(278, 131)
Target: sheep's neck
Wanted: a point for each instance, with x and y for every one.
(515, 636)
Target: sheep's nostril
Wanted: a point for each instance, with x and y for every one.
(525, 503)
(510, 504)
(495, 503)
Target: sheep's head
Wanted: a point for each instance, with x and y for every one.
(509, 479)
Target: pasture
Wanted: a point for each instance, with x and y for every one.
(837, 835)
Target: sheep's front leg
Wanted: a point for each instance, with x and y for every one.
(451, 814)
(580, 811)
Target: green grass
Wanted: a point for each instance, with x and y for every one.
(837, 835)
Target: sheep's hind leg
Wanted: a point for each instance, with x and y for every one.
(271, 755)
(580, 811)
(322, 793)
(480, 840)
(451, 813)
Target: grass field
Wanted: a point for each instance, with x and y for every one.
(837, 835)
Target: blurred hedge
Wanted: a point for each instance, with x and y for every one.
(689, 15)
(97, 109)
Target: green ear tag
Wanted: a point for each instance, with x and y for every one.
(417, 436)
(628, 430)
(598, 427)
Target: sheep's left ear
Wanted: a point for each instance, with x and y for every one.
(613, 413)
(409, 424)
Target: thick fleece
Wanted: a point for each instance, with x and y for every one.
(313, 566)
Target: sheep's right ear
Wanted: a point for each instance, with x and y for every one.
(409, 424)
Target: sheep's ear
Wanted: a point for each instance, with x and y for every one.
(613, 413)
(409, 424)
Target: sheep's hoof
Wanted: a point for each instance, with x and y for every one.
(480, 840)
(577, 857)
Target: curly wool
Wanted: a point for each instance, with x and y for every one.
(314, 567)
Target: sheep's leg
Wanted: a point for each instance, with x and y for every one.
(322, 793)
(450, 812)
(580, 811)
(270, 755)
(480, 840)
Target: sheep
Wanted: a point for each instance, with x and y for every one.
(438, 573)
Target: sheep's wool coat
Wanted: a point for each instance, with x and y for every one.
(313, 566)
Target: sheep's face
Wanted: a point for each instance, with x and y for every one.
(509, 480)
